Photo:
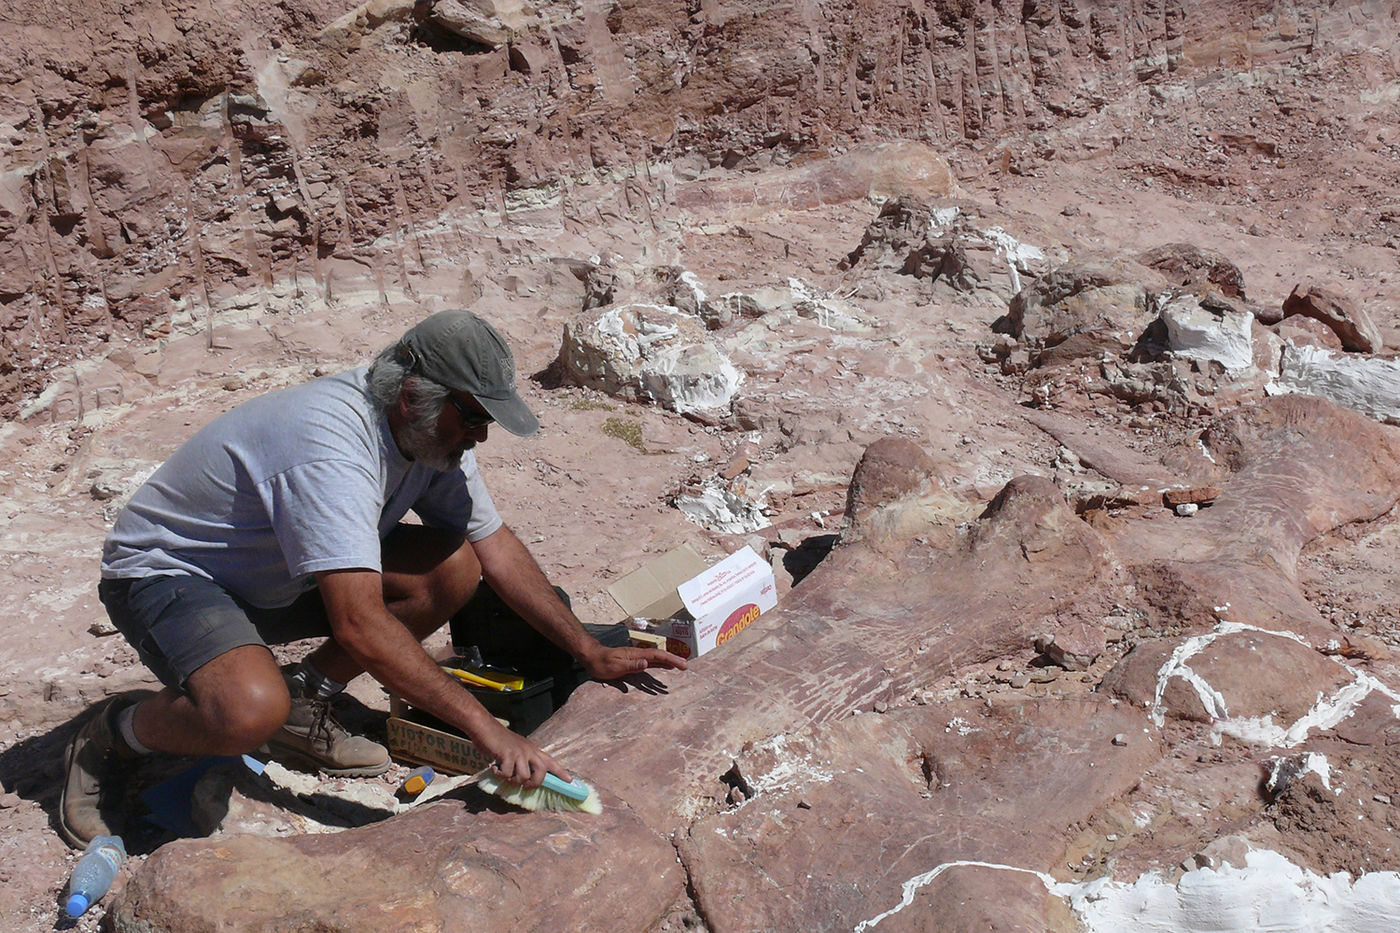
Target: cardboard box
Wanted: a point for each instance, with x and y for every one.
(695, 607)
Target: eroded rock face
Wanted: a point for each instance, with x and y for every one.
(301, 148)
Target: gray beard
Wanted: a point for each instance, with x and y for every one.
(420, 442)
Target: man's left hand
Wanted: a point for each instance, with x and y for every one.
(614, 663)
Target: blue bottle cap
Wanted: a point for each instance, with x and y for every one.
(77, 905)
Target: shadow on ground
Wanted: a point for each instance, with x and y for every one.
(33, 768)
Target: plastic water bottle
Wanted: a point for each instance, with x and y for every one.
(94, 873)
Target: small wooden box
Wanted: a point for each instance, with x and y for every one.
(418, 738)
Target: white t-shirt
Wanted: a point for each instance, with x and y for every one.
(294, 482)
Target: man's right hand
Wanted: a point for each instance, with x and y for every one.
(518, 760)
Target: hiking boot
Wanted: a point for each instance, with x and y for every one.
(95, 760)
(312, 738)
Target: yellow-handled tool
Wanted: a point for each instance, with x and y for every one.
(491, 681)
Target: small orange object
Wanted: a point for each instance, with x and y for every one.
(418, 781)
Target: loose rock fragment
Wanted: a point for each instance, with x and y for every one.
(1354, 326)
(1199, 495)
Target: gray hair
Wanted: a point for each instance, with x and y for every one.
(389, 375)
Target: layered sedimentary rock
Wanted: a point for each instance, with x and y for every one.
(168, 162)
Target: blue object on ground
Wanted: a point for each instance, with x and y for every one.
(169, 801)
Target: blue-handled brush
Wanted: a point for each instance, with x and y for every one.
(554, 794)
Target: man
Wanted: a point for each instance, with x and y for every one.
(282, 520)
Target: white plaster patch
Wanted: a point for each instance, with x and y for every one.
(1019, 256)
(1198, 334)
(717, 508)
(1362, 383)
(1269, 893)
(1325, 713)
(657, 351)
(1287, 770)
(941, 217)
(692, 282)
(830, 313)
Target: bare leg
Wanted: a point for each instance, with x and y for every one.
(239, 700)
(232, 705)
(428, 575)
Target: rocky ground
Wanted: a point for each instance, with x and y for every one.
(846, 317)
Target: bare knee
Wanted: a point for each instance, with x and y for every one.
(240, 698)
(249, 716)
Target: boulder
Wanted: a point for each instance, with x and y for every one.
(1075, 647)
(1353, 325)
(1202, 270)
(645, 352)
(1302, 331)
(1195, 333)
(492, 23)
(1111, 299)
(368, 16)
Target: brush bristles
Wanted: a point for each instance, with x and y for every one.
(539, 798)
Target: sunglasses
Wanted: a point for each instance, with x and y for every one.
(471, 420)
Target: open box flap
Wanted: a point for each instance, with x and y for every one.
(650, 592)
(730, 582)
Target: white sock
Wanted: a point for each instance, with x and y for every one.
(125, 725)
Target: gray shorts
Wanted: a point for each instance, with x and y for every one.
(177, 624)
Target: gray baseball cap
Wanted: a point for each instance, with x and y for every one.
(459, 350)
